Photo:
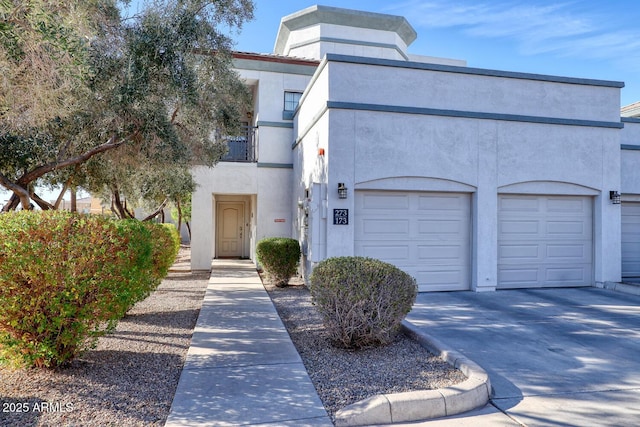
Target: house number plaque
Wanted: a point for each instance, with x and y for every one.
(341, 216)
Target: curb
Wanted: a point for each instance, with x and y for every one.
(470, 394)
(625, 288)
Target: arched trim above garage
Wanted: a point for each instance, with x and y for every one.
(415, 183)
(548, 187)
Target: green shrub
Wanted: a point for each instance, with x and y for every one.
(279, 256)
(362, 300)
(65, 280)
(166, 244)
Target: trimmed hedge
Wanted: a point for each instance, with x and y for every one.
(279, 256)
(166, 244)
(66, 279)
(362, 300)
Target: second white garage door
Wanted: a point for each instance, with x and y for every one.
(631, 240)
(425, 234)
(544, 241)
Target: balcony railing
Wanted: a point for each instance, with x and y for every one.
(242, 147)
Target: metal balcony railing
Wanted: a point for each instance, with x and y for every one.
(242, 147)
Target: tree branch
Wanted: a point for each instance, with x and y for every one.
(155, 214)
(63, 151)
(61, 195)
(44, 205)
(41, 170)
(18, 191)
(175, 114)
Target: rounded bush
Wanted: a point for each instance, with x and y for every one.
(166, 244)
(362, 300)
(279, 256)
(65, 280)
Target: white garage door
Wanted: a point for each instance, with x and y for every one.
(544, 241)
(631, 240)
(425, 234)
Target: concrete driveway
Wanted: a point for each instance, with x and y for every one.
(556, 357)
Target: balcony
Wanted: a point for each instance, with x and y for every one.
(242, 147)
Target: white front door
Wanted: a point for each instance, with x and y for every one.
(230, 230)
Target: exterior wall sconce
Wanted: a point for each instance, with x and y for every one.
(615, 197)
(342, 191)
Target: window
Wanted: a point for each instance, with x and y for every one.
(291, 100)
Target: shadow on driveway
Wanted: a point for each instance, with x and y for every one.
(554, 356)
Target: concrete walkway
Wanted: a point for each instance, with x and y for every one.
(555, 357)
(242, 368)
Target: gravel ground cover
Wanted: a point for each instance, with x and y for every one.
(128, 380)
(131, 377)
(343, 377)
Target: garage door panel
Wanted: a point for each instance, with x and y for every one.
(519, 204)
(629, 247)
(545, 277)
(385, 227)
(385, 202)
(519, 277)
(630, 240)
(413, 253)
(425, 234)
(519, 253)
(540, 252)
(549, 245)
(567, 228)
(385, 252)
(631, 269)
(568, 253)
(633, 228)
(514, 229)
(562, 275)
(440, 253)
(630, 221)
(566, 206)
(434, 227)
(440, 280)
(441, 203)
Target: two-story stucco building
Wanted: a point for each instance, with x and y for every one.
(466, 178)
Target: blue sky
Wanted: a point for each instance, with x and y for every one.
(585, 38)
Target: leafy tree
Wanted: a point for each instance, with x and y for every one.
(44, 59)
(44, 56)
(148, 93)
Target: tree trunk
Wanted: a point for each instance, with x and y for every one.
(74, 198)
(121, 209)
(56, 205)
(12, 204)
(179, 215)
